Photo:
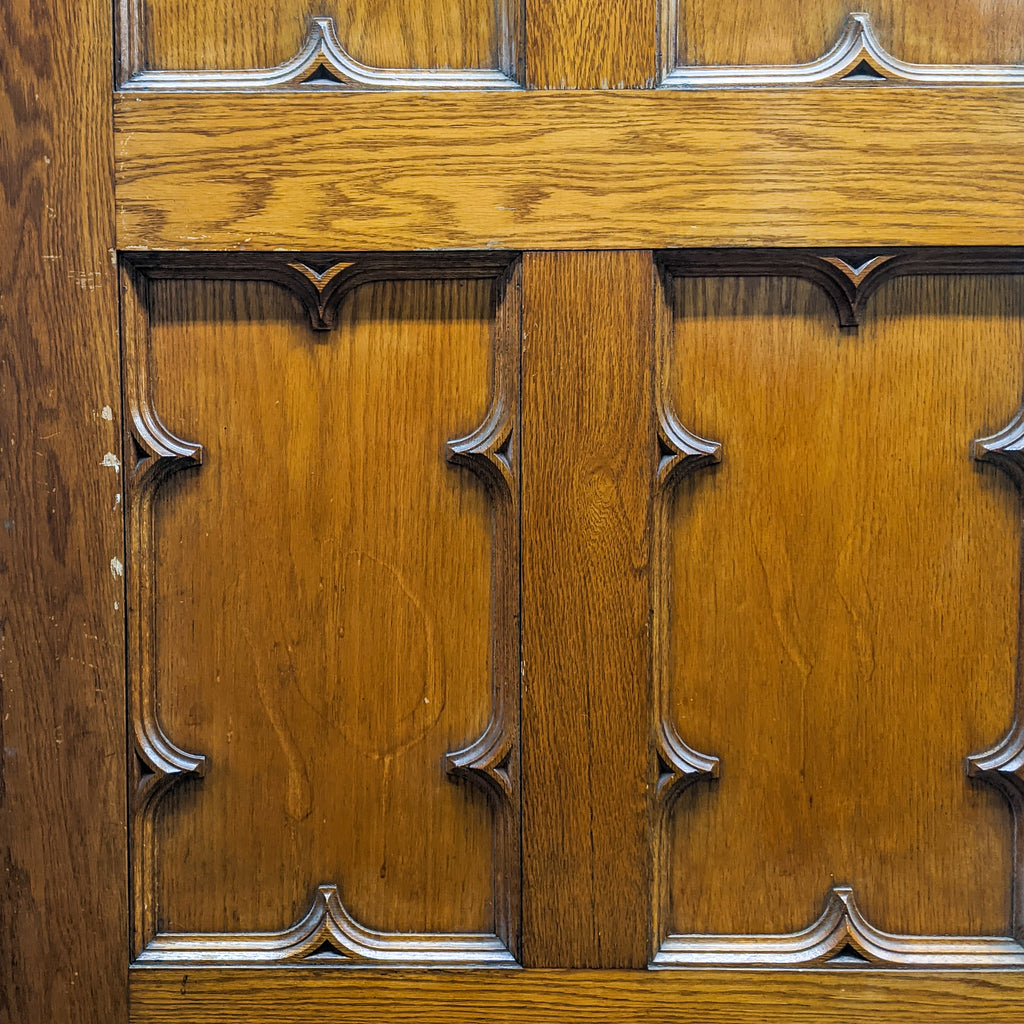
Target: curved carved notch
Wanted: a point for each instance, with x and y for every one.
(841, 936)
(857, 57)
(1005, 449)
(486, 762)
(486, 450)
(680, 766)
(329, 932)
(681, 452)
(327, 285)
(321, 63)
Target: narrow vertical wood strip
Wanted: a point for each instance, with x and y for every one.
(591, 44)
(588, 444)
(63, 947)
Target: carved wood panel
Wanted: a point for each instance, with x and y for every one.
(784, 39)
(321, 44)
(322, 638)
(837, 608)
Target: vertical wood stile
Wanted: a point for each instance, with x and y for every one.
(588, 439)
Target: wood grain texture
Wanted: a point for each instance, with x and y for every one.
(566, 171)
(208, 34)
(591, 44)
(600, 997)
(857, 58)
(799, 31)
(62, 788)
(846, 523)
(324, 605)
(585, 528)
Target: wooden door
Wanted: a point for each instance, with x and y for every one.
(514, 512)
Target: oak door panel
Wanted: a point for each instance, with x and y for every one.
(841, 604)
(321, 608)
(226, 34)
(786, 32)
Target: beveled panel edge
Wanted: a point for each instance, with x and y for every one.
(491, 452)
(841, 935)
(321, 282)
(321, 64)
(328, 935)
(679, 453)
(155, 454)
(857, 58)
(849, 276)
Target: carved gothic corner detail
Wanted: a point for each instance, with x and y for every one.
(328, 934)
(681, 452)
(857, 58)
(847, 276)
(322, 63)
(487, 761)
(1004, 449)
(487, 450)
(679, 765)
(841, 937)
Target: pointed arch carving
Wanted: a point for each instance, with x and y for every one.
(321, 63)
(856, 58)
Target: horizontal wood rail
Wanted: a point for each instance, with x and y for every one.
(551, 170)
(602, 997)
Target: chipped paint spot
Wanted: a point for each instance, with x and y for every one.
(107, 413)
(116, 567)
(117, 500)
(112, 462)
(116, 606)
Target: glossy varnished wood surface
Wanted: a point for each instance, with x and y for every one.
(845, 524)
(601, 997)
(585, 511)
(799, 31)
(62, 780)
(547, 169)
(180, 34)
(591, 44)
(322, 612)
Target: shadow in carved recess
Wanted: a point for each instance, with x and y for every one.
(322, 63)
(841, 936)
(857, 58)
(327, 932)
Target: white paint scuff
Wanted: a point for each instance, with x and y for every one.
(112, 461)
(116, 567)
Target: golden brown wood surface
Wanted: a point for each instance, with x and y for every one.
(585, 510)
(591, 44)
(557, 170)
(601, 997)
(62, 900)
(62, 788)
(179, 34)
(844, 610)
(317, 607)
(799, 31)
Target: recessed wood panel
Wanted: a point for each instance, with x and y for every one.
(209, 34)
(323, 604)
(842, 604)
(781, 32)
